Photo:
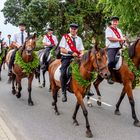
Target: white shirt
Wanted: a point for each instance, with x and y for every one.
(110, 33)
(8, 43)
(17, 38)
(46, 40)
(64, 44)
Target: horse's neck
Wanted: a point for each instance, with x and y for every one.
(26, 58)
(85, 69)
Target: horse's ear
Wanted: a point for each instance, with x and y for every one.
(96, 46)
(34, 36)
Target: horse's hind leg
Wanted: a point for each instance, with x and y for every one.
(128, 89)
(85, 112)
(13, 78)
(75, 113)
(44, 81)
(19, 87)
(54, 103)
(30, 102)
(96, 85)
(117, 111)
(0, 72)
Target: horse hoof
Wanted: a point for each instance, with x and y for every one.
(99, 103)
(117, 112)
(13, 92)
(43, 85)
(30, 103)
(0, 78)
(18, 95)
(137, 123)
(57, 113)
(89, 134)
(75, 122)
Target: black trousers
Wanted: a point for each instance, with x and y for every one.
(46, 54)
(111, 53)
(11, 62)
(65, 60)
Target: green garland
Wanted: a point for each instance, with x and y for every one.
(79, 78)
(27, 67)
(132, 67)
(2, 55)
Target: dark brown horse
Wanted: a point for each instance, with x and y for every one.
(2, 55)
(18, 72)
(93, 60)
(126, 77)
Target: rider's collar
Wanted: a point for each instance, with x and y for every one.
(72, 36)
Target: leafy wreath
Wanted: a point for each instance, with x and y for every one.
(2, 55)
(27, 67)
(79, 78)
(132, 67)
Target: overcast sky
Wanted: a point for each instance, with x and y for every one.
(8, 28)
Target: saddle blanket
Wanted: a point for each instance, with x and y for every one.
(57, 73)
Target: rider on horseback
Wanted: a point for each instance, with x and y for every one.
(114, 41)
(49, 41)
(71, 46)
(18, 41)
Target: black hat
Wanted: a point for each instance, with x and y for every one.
(22, 24)
(74, 25)
(114, 18)
(49, 29)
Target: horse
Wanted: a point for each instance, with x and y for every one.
(93, 60)
(2, 55)
(27, 56)
(120, 77)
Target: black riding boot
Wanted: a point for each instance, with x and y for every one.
(11, 62)
(64, 94)
(109, 80)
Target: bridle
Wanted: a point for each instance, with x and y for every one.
(98, 69)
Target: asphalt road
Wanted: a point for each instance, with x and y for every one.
(40, 122)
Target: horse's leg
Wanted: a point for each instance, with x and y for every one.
(96, 85)
(117, 111)
(13, 78)
(85, 112)
(18, 80)
(128, 89)
(54, 103)
(30, 79)
(75, 113)
(44, 81)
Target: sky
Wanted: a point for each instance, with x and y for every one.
(8, 28)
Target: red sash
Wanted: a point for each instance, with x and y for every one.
(51, 39)
(116, 32)
(71, 44)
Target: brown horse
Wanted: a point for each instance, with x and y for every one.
(94, 60)
(18, 72)
(126, 77)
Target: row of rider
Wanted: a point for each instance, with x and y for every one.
(71, 46)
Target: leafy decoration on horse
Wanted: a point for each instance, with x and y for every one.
(27, 67)
(82, 82)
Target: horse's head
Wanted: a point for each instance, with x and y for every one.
(29, 44)
(100, 62)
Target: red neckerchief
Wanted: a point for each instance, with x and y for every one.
(71, 44)
(116, 32)
(51, 39)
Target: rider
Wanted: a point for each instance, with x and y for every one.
(49, 41)
(71, 45)
(18, 41)
(8, 41)
(114, 41)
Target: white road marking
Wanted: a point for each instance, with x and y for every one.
(102, 102)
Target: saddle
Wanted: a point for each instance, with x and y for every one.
(118, 60)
